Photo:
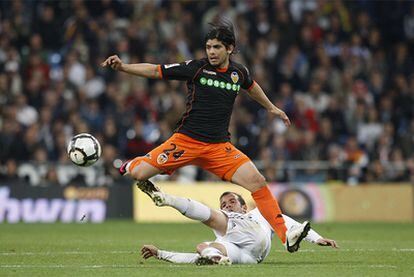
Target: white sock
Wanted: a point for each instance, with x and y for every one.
(211, 251)
(178, 258)
(312, 235)
(188, 207)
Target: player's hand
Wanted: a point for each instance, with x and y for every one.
(327, 242)
(281, 114)
(148, 251)
(114, 62)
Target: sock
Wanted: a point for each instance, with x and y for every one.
(211, 251)
(188, 207)
(312, 235)
(178, 258)
(269, 208)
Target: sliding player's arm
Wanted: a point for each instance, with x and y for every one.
(312, 236)
(148, 251)
(146, 70)
(257, 94)
(327, 242)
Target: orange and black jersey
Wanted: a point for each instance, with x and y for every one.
(210, 99)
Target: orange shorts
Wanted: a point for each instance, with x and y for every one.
(221, 159)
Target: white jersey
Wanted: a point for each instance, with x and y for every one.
(248, 238)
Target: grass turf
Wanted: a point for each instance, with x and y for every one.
(112, 249)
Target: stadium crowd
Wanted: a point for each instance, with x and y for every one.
(342, 71)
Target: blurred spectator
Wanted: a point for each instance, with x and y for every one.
(343, 71)
(8, 171)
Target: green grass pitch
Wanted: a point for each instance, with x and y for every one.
(112, 249)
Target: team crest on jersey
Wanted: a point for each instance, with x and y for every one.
(162, 158)
(234, 77)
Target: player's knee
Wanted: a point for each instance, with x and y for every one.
(258, 180)
(201, 246)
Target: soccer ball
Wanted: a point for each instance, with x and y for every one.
(84, 149)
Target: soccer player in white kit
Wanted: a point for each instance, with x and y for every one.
(241, 237)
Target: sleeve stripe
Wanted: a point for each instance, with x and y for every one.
(252, 85)
(159, 71)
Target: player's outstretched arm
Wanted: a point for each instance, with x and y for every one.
(312, 236)
(327, 242)
(146, 70)
(148, 251)
(257, 94)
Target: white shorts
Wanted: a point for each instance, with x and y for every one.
(245, 241)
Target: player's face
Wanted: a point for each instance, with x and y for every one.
(217, 53)
(230, 203)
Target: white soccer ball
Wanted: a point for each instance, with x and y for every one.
(84, 149)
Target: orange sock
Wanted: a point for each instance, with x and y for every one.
(269, 208)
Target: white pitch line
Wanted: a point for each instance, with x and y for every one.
(16, 266)
(382, 266)
(66, 266)
(328, 249)
(50, 253)
(47, 253)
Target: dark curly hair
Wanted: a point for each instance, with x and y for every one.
(223, 31)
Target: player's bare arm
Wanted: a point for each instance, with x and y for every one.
(145, 70)
(327, 242)
(148, 251)
(257, 94)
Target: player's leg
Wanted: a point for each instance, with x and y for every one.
(212, 253)
(230, 164)
(225, 253)
(188, 207)
(249, 177)
(140, 170)
(166, 158)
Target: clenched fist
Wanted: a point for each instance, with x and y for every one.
(114, 62)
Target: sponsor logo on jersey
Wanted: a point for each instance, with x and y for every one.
(234, 76)
(209, 72)
(187, 62)
(223, 85)
(162, 158)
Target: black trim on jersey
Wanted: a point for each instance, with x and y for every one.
(188, 109)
